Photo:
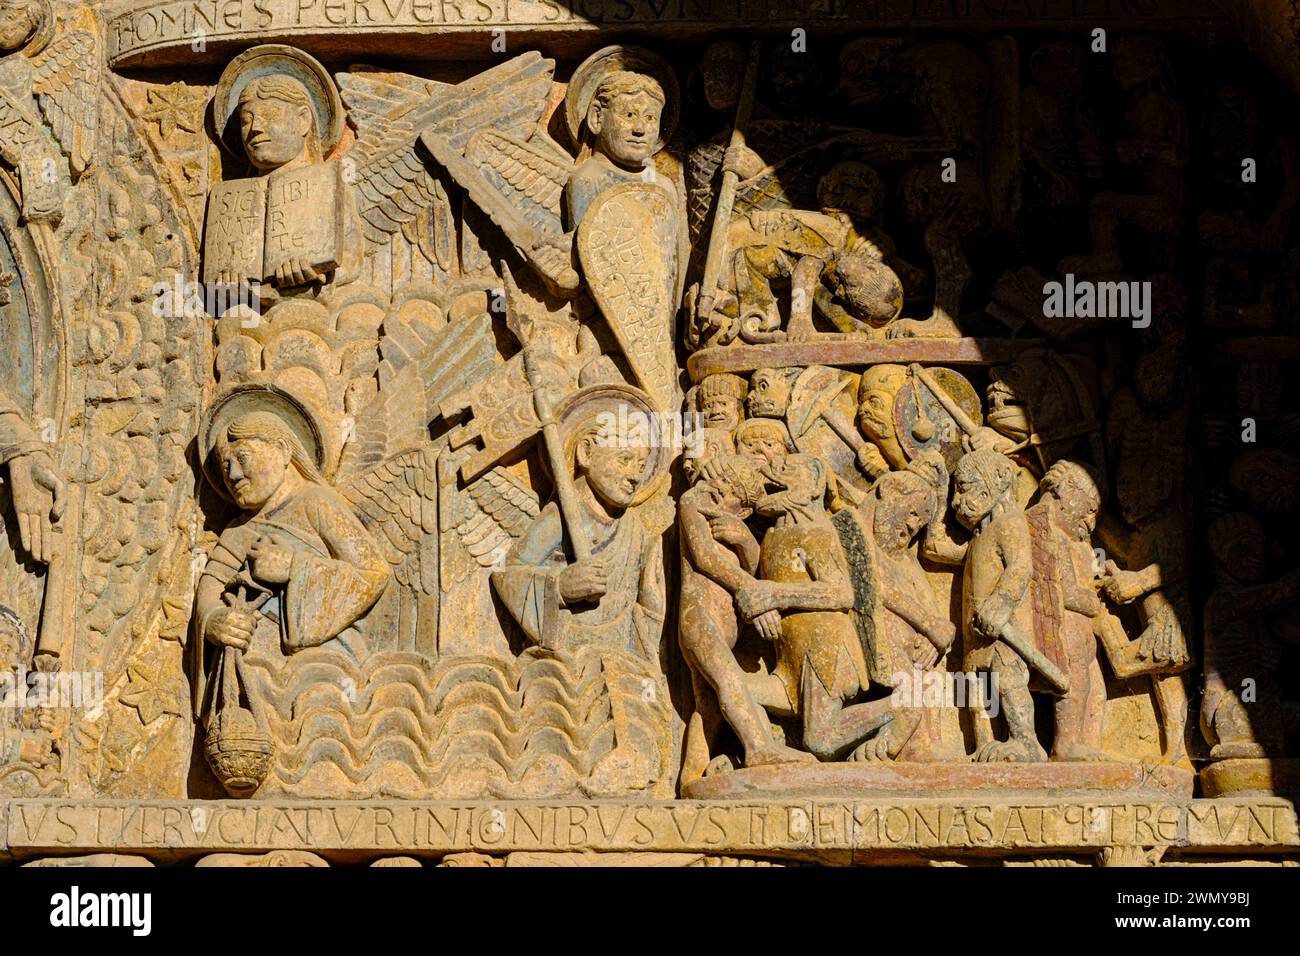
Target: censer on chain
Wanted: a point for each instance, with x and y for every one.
(239, 745)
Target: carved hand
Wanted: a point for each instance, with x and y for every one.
(1121, 586)
(38, 494)
(992, 616)
(730, 529)
(742, 161)
(583, 581)
(295, 272)
(230, 628)
(925, 655)
(941, 634)
(271, 563)
(756, 598)
(769, 625)
(986, 437)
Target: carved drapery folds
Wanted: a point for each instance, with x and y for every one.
(888, 418)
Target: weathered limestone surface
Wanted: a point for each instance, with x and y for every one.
(626, 432)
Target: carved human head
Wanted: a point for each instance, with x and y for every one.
(769, 392)
(763, 439)
(721, 69)
(738, 483)
(613, 465)
(852, 188)
(721, 400)
(870, 291)
(19, 21)
(277, 123)
(1237, 544)
(982, 480)
(904, 504)
(624, 117)
(876, 393)
(1075, 488)
(257, 451)
(862, 68)
(1270, 480)
(706, 444)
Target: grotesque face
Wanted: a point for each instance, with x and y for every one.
(769, 393)
(860, 64)
(1078, 508)
(720, 411)
(17, 24)
(627, 127)
(972, 499)
(761, 441)
(1142, 484)
(796, 480)
(902, 511)
(852, 188)
(274, 131)
(613, 473)
(721, 68)
(1240, 547)
(876, 394)
(709, 444)
(253, 470)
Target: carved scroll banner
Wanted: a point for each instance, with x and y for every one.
(168, 31)
(626, 243)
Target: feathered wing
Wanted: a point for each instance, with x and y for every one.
(416, 375)
(530, 175)
(483, 522)
(397, 501)
(66, 84)
(396, 187)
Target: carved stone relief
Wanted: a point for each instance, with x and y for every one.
(691, 450)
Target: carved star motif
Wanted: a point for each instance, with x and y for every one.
(149, 693)
(173, 106)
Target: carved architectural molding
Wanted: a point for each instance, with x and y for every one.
(648, 433)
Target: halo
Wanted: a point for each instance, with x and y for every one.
(268, 59)
(586, 407)
(246, 399)
(611, 59)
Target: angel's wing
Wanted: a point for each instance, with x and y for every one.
(416, 375)
(484, 520)
(395, 185)
(530, 175)
(66, 83)
(397, 501)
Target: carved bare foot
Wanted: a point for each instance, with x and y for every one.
(875, 750)
(719, 764)
(1238, 750)
(1011, 751)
